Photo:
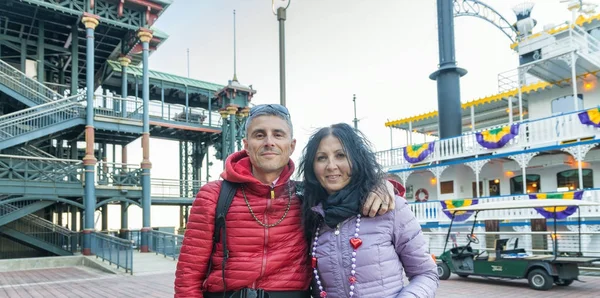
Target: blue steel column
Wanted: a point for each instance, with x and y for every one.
(145, 36)
(41, 71)
(232, 109)
(224, 129)
(89, 161)
(74, 60)
(448, 74)
(124, 60)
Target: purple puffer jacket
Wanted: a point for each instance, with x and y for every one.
(391, 245)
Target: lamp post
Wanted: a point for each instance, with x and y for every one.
(279, 9)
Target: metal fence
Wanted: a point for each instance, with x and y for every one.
(166, 244)
(114, 250)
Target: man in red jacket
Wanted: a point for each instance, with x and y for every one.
(265, 237)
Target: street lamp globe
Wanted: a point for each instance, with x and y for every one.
(276, 4)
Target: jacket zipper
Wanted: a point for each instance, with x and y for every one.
(340, 250)
(266, 222)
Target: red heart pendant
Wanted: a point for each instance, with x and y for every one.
(355, 242)
(352, 280)
(314, 263)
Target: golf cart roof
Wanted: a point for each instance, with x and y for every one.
(521, 204)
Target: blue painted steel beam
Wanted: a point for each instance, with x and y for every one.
(22, 212)
(74, 58)
(75, 12)
(32, 241)
(117, 127)
(41, 75)
(121, 199)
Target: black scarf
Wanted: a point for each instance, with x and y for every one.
(341, 206)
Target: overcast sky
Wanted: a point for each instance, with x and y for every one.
(381, 50)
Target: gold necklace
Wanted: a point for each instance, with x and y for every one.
(284, 214)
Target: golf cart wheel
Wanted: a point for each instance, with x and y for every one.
(443, 271)
(463, 275)
(563, 282)
(540, 280)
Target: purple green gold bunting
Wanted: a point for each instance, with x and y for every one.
(497, 137)
(590, 117)
(458, 215)
(417, 153)
(561, 212)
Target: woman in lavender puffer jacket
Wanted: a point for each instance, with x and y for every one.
(354, 256)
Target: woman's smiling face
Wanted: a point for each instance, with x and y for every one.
(331, 165)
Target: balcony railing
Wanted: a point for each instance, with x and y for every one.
(537, 133)
(175, 188)
(432, 211)
(118, 174)
(29, 168)
(114, 107)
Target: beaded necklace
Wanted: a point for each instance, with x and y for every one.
(355, 242)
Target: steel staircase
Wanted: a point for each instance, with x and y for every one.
(17, 223)
(23, 88)
(41, 120)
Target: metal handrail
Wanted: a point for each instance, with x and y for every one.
(40, 228)
(166, 244)
(73, 161)
(16, 114)
(164, 111)
(114, 250)
(19, 77)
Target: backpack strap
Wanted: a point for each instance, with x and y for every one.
(228, 190)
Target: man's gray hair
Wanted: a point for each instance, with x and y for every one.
(269, 111)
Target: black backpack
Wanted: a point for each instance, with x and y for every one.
(228, 190)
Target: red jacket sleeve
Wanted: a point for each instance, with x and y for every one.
(197, 243)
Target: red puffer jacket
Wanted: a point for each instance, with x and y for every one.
(273, 259)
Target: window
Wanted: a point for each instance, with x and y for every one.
(570, 179)
(494, 187)
(533, 184)
(447, 187)
(565, 104)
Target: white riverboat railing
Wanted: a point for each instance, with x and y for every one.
(538, 133)
(432, 211)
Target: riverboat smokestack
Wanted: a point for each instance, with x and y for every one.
(448, 74)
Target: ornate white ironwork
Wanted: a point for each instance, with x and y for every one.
(481, 10)
(523, 159)
(477, 165)
(437, 171)
(404, 176)
(579, 152)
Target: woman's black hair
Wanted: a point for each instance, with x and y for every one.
(366, 173)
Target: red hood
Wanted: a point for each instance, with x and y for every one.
(238, 169)
(398, 187)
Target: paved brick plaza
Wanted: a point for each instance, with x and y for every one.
(85, 282)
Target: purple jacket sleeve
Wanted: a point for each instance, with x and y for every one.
(411, 247)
